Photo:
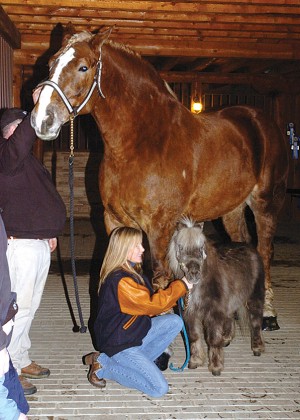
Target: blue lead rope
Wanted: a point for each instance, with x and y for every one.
(186, 340)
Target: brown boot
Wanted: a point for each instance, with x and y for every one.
(27, 386)
(35, 371)
(91, 359)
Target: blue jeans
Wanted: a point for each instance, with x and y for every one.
(12, 398)
(135, 367)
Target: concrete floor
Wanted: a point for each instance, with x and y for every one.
(266, 387)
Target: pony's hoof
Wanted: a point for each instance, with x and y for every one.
(256, 352)
(270, 323)
(193, 365)
(216, 372)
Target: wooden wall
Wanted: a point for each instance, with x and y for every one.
(85, 177)
(6, 74)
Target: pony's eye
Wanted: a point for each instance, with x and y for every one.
(83, 68)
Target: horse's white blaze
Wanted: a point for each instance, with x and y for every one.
(45, 96)
(184, 174)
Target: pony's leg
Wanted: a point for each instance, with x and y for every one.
(235, 225)
(228, 331)
(197, 345)
(216, 360)
(213, 330)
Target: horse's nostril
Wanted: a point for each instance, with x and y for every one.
(47, 122)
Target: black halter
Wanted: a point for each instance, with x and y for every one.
(96, 82)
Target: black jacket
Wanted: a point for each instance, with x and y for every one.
(32, 207)
(125, 308)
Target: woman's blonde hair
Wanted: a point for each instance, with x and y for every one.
(121, 240)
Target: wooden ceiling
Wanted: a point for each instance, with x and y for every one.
(239, 38)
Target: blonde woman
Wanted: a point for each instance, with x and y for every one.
(129, 334)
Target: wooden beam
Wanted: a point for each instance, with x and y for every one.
(196, 49)
(223, 78)
(265, 83)
(8, 30)
(212, 6)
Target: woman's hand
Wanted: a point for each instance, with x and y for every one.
(52, 244)
(189, 285)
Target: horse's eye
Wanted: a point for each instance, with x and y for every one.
(83, 68)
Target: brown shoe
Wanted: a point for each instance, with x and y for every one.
(27, 386)
(91, 359)
(35, 371)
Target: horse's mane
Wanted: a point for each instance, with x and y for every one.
(81, 36)
(86, 36)
(188, 235)
(124, 48)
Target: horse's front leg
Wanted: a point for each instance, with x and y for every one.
(111, 222)
(197, 345)
(158, 244)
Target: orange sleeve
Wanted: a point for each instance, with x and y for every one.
(135, 299)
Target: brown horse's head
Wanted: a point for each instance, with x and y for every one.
(72, 73)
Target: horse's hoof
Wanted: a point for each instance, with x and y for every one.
(256, 352)
(270, 323)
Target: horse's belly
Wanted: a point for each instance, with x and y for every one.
(214, 205)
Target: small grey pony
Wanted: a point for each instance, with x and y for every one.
(229, 281)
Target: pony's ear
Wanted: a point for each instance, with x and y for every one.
(99, 39)
(200, 225)
(179, 250)
(68, 32)
(180, 225)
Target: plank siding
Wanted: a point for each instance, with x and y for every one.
(6, 74)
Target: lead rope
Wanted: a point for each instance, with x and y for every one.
(83, 328)
(186, 339)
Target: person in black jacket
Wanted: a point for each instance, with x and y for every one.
(129, 334)
(13, 404)
(34, 215)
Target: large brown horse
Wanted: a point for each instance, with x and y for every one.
(161, 161)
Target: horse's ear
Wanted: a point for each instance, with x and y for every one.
(68, 32)
(99, 39)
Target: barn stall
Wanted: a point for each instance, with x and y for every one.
(222, 53)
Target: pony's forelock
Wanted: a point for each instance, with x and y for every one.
(188, 236)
